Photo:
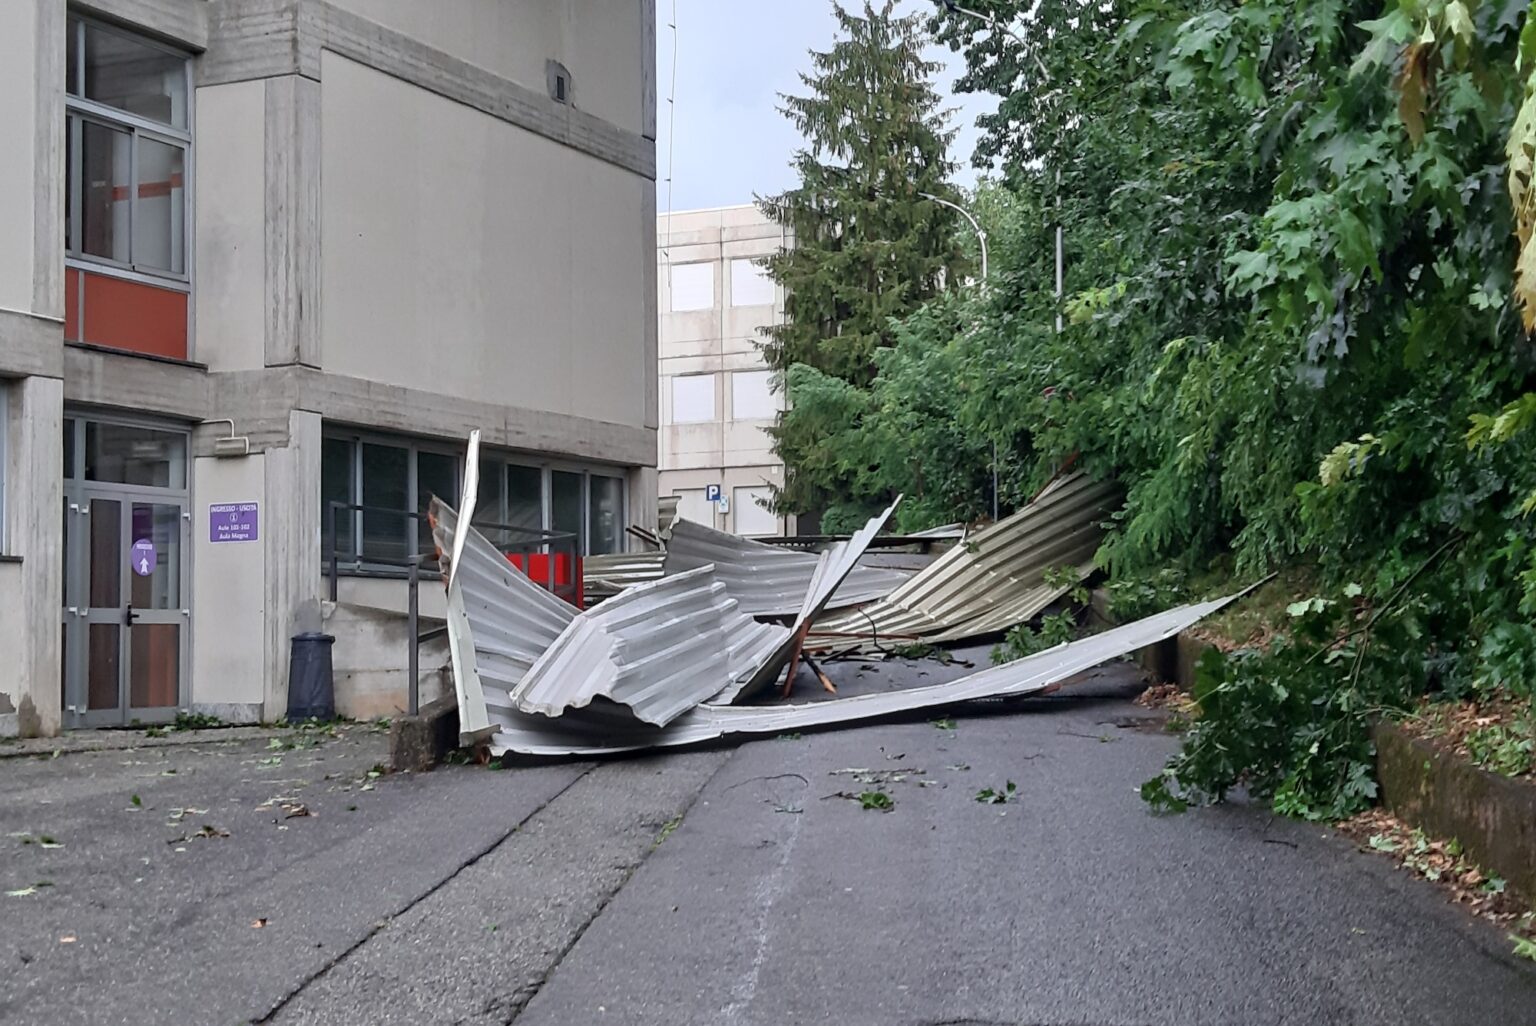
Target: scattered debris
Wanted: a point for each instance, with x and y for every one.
(505, 633)
(947, 723)
(993, 796)
(994, 581)
(1443, 863)
(207, 831)
(257, 924)
(68, 938)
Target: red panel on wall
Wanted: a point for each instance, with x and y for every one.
(130, 315)
(71, 305)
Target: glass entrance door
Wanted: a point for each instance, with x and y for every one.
(125, 566)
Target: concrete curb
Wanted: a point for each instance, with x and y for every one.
(1171, 661)
(76, 742)
(1443, 794)
(417, 743)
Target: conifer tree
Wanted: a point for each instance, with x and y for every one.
(867, 246)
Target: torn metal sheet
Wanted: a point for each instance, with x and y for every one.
(499, 621)
(604, 728)
(605, 576)
(991, 582)
(660, 649)
(766, 580)
(833, 568)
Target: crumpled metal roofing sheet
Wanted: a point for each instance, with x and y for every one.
(833, 567)
(607, 575)
(993, 581)
(659, 648)
(603, 728)
(766, 580)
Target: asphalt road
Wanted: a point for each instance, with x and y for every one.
(728, 885)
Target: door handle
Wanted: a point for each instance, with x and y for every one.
(129, 616)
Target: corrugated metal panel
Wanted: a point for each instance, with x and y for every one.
(606, 576)
(510, 620)
(766, 580)
(603, 729)
(832, 570)
(991, 582)
(659, 648)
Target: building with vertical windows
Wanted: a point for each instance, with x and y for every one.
(717, 395)
(267, 259)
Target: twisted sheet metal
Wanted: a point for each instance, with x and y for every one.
(766, 580)
(990, 583)
(659, 648)
(607, 575)
(833, 567)
(603, 727)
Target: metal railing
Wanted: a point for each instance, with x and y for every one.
(357, 561)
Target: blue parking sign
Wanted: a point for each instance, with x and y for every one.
(712, 493)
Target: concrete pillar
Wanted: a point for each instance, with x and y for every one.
(31, 578)
(291, 521)
(229, 646)
(642, 505)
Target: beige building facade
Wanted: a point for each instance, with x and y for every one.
(261, 256)
(717, 396)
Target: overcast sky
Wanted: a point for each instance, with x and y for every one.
(734, 58)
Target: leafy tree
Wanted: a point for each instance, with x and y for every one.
(868, 247)
(1296, 328)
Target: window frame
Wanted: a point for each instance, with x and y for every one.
(5, 458)
(714, 286)
(714, 399)
(356, 438)
(767, 375)
(79, 110)
(759, 273)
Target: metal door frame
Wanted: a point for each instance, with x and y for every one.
(78, 494)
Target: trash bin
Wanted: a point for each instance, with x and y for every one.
(311, 688)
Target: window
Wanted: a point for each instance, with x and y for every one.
(399, 474)
(126, 454)
(691, 505)
(128, 134)
(605, 514)
(752, 516)
(394, 474)
(693, 286)
(752, 397)
(5, 455)
(559, 81)
(566, 510)
(693, 398)
(750, 284)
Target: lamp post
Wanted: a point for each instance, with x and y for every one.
(981, 238)
(981, 233)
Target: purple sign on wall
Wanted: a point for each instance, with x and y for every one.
(232, 522)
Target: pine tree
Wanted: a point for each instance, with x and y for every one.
(867, 246)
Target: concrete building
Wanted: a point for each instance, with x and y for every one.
(717, 395)
(259, 255)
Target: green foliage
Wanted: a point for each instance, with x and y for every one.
(1299, 270)
(878, 801)
(869, 249)
(1506, 749)
(998, 795)
(1025, 640)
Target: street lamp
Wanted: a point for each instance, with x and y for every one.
(981, 233)
(997, 25)
(981, 237)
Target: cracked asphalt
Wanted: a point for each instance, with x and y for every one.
(736, 884)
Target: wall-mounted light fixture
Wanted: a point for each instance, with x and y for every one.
(230, 445)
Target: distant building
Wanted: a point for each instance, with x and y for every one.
(262, 255)
(717, 395)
